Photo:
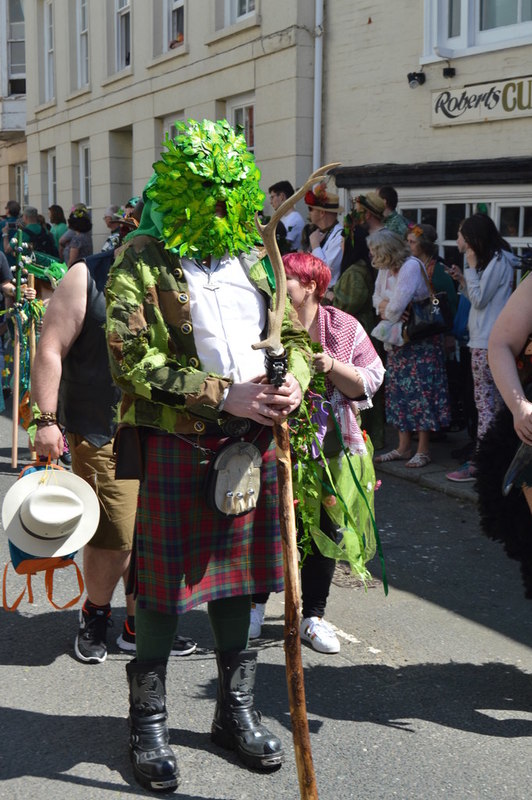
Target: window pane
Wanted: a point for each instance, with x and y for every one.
(496, 13)
(249, 132)
(15, 11)
(84, 60)
(17, 86)
(123, 37)
(455, 9)
(527, 225)
(451, 255)
(17, 55)
(178, 24)
(509, 225)
(454, 214)
(410, 214)
(83, 15)
(526, 11)
(16, 30)
(245, 7)
(429, 216)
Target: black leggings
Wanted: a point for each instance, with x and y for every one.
(316, 574)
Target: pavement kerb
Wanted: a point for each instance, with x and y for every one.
(430, 477)
(433, 475)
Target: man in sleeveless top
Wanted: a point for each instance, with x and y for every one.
(72, 384)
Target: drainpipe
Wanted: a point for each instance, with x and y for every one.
(318, 84)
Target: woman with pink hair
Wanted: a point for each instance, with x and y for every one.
(353, 373)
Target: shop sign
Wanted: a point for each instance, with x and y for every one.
(483, 102)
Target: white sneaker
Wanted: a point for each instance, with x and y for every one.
(319, 635)
(256, 619)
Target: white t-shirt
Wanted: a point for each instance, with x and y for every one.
(332, 251)
(294, 224)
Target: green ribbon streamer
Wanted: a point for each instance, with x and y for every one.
(330, 488)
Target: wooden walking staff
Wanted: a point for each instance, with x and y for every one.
(276, 369)
(33, 346)
(16, 354)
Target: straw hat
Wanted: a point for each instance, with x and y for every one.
(373, 202)
(50, 513)
(322, 199)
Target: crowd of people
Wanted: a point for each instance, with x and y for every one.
(166, 322)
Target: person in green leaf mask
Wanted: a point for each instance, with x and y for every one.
(187, 298)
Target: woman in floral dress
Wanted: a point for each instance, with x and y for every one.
(417, 397)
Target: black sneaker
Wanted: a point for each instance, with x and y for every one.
(182, 646)
(90, 645)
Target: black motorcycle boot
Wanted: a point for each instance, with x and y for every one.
(154, 762)
(236, 725)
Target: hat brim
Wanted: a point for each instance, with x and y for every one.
(337, 210)
(371, 209)
(48, 548)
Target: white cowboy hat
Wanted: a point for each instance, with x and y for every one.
(50, 513)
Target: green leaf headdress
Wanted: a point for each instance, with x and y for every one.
(205, 163)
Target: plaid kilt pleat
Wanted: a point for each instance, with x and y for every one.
(187, 554)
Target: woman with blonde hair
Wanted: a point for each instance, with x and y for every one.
(416, 389)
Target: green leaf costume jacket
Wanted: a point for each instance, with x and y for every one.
(150, 338)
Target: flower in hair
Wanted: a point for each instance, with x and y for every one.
(317, 196)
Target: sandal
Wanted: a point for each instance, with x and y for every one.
(419, 460)
(392, 455)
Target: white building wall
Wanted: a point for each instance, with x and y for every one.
(268, 57)
(370, 115)
(374, 116)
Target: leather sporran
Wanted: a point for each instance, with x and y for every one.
(233, 479)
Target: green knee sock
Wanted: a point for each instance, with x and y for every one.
(154, 634)
(229, 620)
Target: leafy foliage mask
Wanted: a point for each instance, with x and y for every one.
(207, 163)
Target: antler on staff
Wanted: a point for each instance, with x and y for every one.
(267, 232)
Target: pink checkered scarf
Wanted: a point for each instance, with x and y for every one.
(344, 339)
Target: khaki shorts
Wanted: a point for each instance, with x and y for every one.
(118, 499)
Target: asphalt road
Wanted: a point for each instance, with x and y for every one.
(429, 697)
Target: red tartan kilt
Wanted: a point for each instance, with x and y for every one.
(187, 554)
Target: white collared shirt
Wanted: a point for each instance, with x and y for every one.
(227, 320)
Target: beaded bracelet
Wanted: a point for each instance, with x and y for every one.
(47, 418)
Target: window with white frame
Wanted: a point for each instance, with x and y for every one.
(123, 34)
(49, 54)
(84, 173)
(16, 51)
(82, 36)
(22, 195)
(175, 24)
(51, 171)
(241, 114)
(460, 27)
(512, 217)
(237, 10)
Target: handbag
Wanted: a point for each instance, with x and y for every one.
(430, 316)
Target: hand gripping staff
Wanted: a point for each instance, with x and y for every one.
(276, 365)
